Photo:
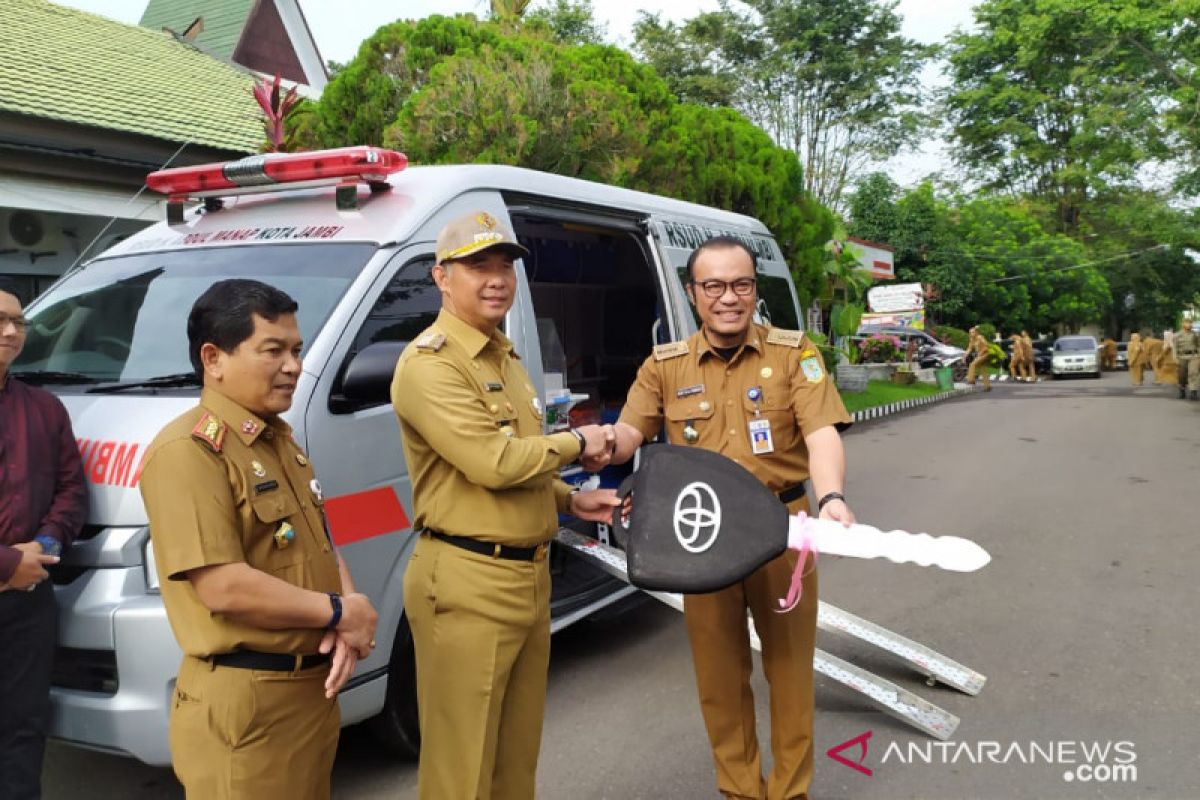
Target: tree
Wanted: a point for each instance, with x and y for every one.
(831, 80)
(365, 97)
(570, 22)
(571, 111)
(1061, 99)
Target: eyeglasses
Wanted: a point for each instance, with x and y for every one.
(742, 287)
(20, 323)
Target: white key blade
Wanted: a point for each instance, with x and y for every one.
(863, 541)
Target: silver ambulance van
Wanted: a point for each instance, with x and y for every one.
(354, 247)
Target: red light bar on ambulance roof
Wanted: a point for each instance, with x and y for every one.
(369, 164)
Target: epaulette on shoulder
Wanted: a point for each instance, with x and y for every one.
(211, 431)
(785, 337)
(431, 341)
(670, 350)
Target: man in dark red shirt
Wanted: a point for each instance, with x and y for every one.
(43, 502)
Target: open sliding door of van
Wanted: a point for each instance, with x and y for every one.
(599, 302)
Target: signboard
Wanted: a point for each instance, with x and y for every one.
(903, 319)
(877, 259)
(896, 297)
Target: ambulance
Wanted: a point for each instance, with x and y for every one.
(349, 234)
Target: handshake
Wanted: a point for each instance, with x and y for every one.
(599, 446)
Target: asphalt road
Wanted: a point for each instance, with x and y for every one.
(1085, 494)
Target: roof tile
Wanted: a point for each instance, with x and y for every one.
(69, 65)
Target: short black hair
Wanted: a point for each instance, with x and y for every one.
(224, 315)
(718, 243)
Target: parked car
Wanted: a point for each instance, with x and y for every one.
(930, 351)
(1076, 355)
(1122, 355)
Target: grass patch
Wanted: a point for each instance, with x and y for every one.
(879, 393)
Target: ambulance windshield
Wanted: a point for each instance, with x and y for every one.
(125, 319)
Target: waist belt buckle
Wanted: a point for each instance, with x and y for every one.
(542, 550)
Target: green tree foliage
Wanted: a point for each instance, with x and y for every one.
(573, 111)
(365, 97)
(832, 80)
(1062, 100)
(715, 156)
(988, 260)
(569, 21)
(458, 90)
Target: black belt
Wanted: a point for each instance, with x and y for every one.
(791, 493)
(276, 662)
(492, 549)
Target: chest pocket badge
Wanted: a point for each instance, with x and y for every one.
(284, 535)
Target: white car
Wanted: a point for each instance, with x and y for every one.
(1075, 355)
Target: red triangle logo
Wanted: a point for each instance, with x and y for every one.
(860, 741)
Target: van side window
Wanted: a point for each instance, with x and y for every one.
(408, 305)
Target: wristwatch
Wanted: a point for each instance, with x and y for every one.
(335, 600)
(829, 498)
(579, 438)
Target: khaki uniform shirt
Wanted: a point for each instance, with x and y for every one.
(978, 345)
(687, 383)
(472, 428)
(219, 482)
(1187, 343)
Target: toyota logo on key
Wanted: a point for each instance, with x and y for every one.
(697, 517)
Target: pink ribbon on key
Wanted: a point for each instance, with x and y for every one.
(802, 543)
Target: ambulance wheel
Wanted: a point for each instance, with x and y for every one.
(397, 727)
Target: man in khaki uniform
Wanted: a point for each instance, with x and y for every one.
(1029, 357)
(258, 599)
(761, 397)
(1136, 358)
(1161, 360)
(1108, 354)
(977, 351)
(486, 498)
(1187, 354)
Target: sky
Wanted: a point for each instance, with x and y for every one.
(339, 26)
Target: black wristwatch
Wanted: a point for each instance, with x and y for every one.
(335, 600)
(830, 497)
(579, 437)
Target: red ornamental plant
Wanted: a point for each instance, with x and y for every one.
(276, 107)
(880, 349)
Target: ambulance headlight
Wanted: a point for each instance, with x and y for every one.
(150, 567)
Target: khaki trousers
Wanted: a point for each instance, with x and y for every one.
(481, 627)
(980, 365)
(716, 625)
(1136, 368)
(253, 734)
(1189, 372)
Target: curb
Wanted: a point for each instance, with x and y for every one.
(887, 409)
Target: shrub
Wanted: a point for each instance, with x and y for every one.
(951, 335)
(880, 349)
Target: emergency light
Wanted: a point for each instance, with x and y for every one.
(345, 166)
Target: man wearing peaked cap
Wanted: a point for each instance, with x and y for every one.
(486, 500)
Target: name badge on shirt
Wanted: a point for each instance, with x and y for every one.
(761, 441)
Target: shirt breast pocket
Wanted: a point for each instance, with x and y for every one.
(775, 406)
(269, 552)
(696, 410)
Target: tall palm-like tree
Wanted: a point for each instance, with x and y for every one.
(509, 10)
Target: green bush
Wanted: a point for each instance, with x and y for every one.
(987, 330)
(951, 335)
